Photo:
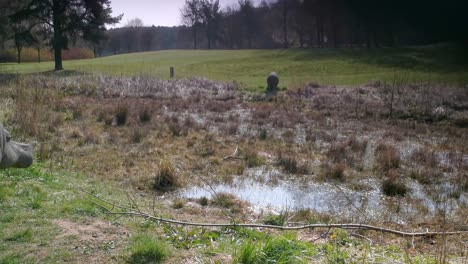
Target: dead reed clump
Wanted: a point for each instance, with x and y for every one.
(166, 178)
(289, 164)
(387, 157)
(350, 151)
(33, 114)
(47, 150)
(144, 115)
(121, 114)
(334, 172)
(205, 147)
(425, 157)
(175, 127)
(424, 176)
(137, 134)
(90, 137)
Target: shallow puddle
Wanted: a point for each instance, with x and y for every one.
(338, 200)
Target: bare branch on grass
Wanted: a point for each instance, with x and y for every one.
(262, 226)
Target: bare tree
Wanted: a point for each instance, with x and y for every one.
(21, 37)
(134, 22)
(41, 38)
(249, 22)
(191, 17)
(210, 19)
(285, 6)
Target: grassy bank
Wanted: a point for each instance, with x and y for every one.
(441, 63)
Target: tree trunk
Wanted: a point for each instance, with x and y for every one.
(285, 26)
(39, 55)
(18, 50)
(58, 58)
(194, 37)
(58, 37)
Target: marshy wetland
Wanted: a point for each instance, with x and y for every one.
(390, 154)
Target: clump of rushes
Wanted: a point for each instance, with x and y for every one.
(387, 157)
(290, 164)
(252, 159)
(144, 115)
(392, 186)
(121, 114)
(147, 249)
(166, 178)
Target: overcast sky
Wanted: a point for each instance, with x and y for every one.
(154, 12)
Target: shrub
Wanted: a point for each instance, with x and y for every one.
(147, 249)
(166, 177)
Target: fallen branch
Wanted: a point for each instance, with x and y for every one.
(302, 227)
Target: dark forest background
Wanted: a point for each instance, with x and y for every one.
(296, 23)
(282, 24)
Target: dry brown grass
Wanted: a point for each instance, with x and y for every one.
(316, 127)
(387, 157)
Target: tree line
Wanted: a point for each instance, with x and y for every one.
(246, 24)
(299, 23)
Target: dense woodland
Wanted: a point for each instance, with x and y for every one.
(268, 24)
(296, 23)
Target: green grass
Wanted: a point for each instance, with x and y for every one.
(278, 249)
(147, 249)
(438, 63)
(30, 200)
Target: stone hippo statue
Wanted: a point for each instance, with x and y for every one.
(13, 154)
(272, 82)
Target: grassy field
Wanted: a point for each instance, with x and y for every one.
(440, 63)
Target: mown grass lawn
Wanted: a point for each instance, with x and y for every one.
(296, 67)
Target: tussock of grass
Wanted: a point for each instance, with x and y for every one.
(277, 220)
(280, 249)
(146, 249)
(166, 178)
(252, 159)
(387, 157)
(21, 236)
